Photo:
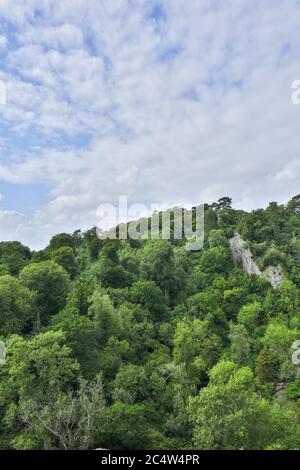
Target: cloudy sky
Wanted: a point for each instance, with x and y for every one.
(167, 101)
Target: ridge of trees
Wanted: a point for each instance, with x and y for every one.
(141, 344)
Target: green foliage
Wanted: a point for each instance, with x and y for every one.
(3, 270)
(130, 385)
(158, 264)
(68, 421)
(83, 289)
(149, 295)
(102, 312)
(16, 306)
(80, 336)
(14, 255)
(135, 344)
(64, 256)
(110, 273)
(216, 260)
(137, 330)
(132, 427)
(293, 390)
(195, 347)
(61, 240)
(217, 238)
(251, 316)
(278, 341)
(228, 414)
(240, 344)
(51, 284)
(36, 367)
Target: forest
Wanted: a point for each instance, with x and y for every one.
(142, 344)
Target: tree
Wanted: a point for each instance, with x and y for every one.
(149, 295)
(294, 204)
(14, 255)
(278, 341)
(228, 414)
(103, 313)
(64, 256)
(51, 284)
(282, 303)
(216, 260)
(224, 203)
(111, 274)
(60, 240)
(195, 347)
(272, 257)
(16, 306)
(80, 336)
(36, 368)
(158, 264)
(77, 238)
(233, 300)
(142, 325)
(267, 366)
(251, 316)
(137, 330)
(221, 411)
(217, 238)
(69, 420)
(93, 243)
(205, 302)
(240, 344)
(83, 289)
(130, 385)
(210, 221)
(132, 427)
(295, 248)
(3, 270)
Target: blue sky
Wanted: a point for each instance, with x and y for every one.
(163, 101)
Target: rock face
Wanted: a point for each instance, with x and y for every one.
(274, 275)
(242, 256)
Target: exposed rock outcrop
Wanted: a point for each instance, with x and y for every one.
(274, 275)
(242, 256)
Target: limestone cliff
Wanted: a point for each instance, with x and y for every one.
(242, 256)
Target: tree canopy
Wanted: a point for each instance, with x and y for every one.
(142, 344)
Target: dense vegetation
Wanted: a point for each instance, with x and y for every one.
(143, 344)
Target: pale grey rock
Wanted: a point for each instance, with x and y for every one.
(274, 275)
(242, 256)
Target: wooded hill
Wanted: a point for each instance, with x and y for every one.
(142, 344)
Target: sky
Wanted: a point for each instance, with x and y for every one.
(167, 101)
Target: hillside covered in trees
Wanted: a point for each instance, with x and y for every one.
(142, 344)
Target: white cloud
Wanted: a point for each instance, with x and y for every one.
(66, 36)
(11, 224)
(3, 42)
(289, 172)
(182, 108)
